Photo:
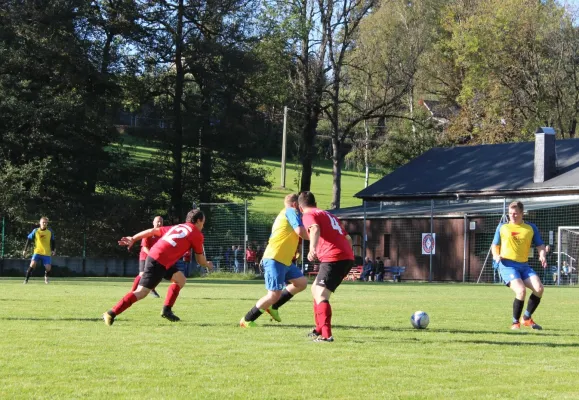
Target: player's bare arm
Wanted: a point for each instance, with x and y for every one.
(314, 237)
(542, 255)
(130, 240)
(302, 232)
(25, 248)
(496, 249)
(349, 239)
(201, 260)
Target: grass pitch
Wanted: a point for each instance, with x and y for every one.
(53, 344)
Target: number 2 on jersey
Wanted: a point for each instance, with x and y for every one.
(176, 232)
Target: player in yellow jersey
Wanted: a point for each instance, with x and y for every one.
(278, 263)
(510, 248)
(44, 247)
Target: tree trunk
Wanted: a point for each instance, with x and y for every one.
(92, 173)
(337, 161)
(177, 149)
(309, 136)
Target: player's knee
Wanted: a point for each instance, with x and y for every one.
(274, 295)
(300, 284)
(539, 290)
(141, 292)
(48, 268)
(520, 292)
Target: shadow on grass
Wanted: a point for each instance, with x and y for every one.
(431, 331)
(536, 344)
(50, 319)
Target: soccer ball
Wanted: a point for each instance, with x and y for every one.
(420, 320)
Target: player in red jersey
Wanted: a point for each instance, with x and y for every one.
(146, 245)
(332, 246)
(160, 263)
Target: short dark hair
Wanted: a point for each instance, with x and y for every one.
(517, 204)
(194, 215)
(307, 199)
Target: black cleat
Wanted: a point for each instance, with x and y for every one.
(168, 314)
(313, 333)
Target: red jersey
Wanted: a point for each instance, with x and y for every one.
(147, 242)
(175, 241)
(332, 245)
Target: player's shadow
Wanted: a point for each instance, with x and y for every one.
(225, 298)
(49, 319)
(431, 331)
(519, 343)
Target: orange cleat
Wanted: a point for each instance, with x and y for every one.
(532, 324)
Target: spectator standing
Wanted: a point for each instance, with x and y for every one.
(250, 256)
(237, 259)
(379, 270)
(228, 257)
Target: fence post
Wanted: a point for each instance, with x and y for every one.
(465, 244)
(2, 254)
(84, 254)
(365, 236)
(3, 224)
(431, 232)
(245, 238)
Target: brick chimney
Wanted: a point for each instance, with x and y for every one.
(545, 157)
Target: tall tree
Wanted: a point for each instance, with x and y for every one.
(201, 55)
(48, 105)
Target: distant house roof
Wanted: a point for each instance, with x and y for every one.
(478, 171)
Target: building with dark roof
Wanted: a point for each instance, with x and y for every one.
(463, 193)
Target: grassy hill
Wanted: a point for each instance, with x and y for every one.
(270, 201)
(352, 182)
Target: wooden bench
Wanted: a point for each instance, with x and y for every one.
(395, 271)
(354, 273)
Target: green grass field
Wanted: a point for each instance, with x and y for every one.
(54, 345)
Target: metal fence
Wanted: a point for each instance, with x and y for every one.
(460, 248)
(79, 251)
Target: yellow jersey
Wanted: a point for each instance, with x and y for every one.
(516, 240)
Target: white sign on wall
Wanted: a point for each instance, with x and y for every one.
(429, 243)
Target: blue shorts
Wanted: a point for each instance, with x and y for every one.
(510, 270)
(277, 275)
(45, 259)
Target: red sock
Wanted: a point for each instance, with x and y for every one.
(125, 303)
(136, 283)
(325, 310)
(172, 294)
(318, 317)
